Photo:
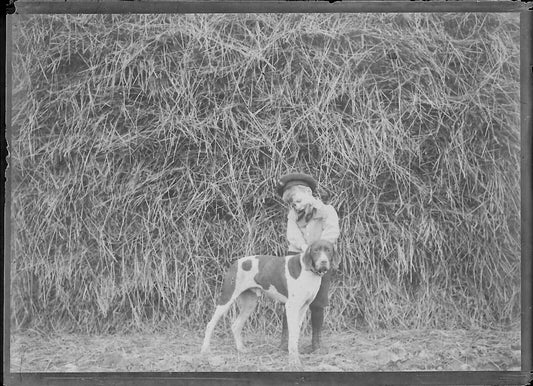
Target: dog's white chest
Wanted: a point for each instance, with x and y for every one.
(306, 285)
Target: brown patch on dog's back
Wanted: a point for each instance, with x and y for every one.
(294, 266)
(271, 271)
(228, 285)
(247, 265)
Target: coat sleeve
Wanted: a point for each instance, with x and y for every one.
(294, 234)
(331, 231)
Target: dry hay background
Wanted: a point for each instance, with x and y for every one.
(145, 150)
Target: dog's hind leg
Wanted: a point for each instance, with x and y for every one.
(220, 311)
(246, 303)
(228, 294)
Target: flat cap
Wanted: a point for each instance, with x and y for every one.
(293, 179)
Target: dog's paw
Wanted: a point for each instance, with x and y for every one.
(294, 362)
(217, 361)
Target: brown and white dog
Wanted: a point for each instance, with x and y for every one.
(293, 280)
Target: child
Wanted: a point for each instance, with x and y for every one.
(308, 220)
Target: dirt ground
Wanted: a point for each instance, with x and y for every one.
(413, 350)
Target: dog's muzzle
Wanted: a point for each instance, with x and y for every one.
(321, 269)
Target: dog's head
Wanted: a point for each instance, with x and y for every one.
(320, 257)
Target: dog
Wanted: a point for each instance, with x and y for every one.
(293, 280)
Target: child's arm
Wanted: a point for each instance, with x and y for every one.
(331, 229)
(294, 234)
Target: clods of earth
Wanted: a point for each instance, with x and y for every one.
(179, 351)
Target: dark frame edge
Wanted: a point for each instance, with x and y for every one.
(276, 6)
(5, 107)
(526, 96)
(526, 131)
(276, 378)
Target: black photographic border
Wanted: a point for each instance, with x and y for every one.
(306, 378)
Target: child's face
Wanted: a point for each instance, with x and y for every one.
(300, 199)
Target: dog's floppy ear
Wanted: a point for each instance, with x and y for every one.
(336, 257)
(307, 260)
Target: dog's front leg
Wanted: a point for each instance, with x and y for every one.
(293, 324)
(301, 315)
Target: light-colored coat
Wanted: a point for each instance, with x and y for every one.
(324, 225)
